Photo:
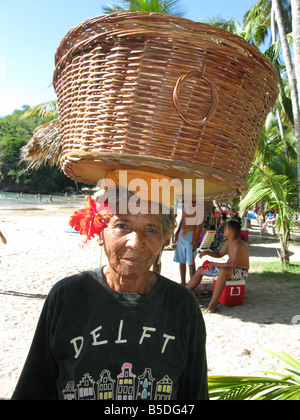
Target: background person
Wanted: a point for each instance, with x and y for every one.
(187, 238)
(236, 267)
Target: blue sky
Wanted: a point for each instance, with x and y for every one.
(30, 32)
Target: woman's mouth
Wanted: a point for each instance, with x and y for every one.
(133, 260)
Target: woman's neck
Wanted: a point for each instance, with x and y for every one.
(120, 284)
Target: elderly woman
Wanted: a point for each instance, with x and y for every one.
(119, 332)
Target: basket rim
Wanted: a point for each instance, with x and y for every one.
(237, 187)
(178, 24)
(209, 172)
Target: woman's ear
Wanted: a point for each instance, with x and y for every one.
(99, 238)
(167, 239)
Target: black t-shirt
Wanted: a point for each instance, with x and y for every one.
(94, 343)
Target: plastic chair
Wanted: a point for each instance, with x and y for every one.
(207, 240)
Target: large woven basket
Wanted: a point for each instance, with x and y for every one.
(162, 94)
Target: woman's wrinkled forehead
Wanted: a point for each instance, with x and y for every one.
(142, 214)
(134, 205)
(123, 202)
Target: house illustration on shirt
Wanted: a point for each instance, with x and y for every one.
(105, 386)
(127, 387)
(145, 385)
(69, 392)
(86, 388)
(164, 389)
(126, 383)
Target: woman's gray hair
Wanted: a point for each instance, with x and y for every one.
(114, 196)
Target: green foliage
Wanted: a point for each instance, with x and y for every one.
(46, 109)
(271, 184)
(14, 133)
(10, 146)
(274, 271)
(286, 387)
(273, 179)
(259, 17)
(273, 175)
(170, 7)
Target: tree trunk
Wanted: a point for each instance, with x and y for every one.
(284, 255)
(296, 39)
(289, 67)
(273, 33)
(295, 4)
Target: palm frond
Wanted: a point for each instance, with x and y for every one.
(170, 7)
(112, 9)
(46, 109)
(241, 388)
(290, 361)
(259, 388)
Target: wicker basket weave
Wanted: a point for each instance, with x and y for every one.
(162, 94)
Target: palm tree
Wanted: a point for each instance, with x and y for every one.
(273, 179)
(289, 67)
(233, 26)
(296, 34)
(261, 19)
(283, 17)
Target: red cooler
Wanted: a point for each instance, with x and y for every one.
(244, 234)
(233, 294)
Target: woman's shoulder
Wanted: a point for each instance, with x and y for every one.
(76, 282)
(182, 302)
(177, 290)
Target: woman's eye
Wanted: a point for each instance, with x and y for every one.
(122, 226)
(153, 230)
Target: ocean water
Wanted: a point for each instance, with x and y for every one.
(16, 201)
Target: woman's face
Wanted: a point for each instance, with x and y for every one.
(132, 242)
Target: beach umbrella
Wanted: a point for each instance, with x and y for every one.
(44, 147)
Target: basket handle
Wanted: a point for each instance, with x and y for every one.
(215, 98)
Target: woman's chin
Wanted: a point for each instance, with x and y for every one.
(133, 270)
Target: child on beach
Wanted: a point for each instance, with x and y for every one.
(187, 239)
(3, 239)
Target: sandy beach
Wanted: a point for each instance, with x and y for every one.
(39, 252)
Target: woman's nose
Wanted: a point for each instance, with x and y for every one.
(135, 239)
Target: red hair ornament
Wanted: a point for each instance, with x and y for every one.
(91, 220)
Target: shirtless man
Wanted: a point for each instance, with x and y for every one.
(187, 239)
(236, 267)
